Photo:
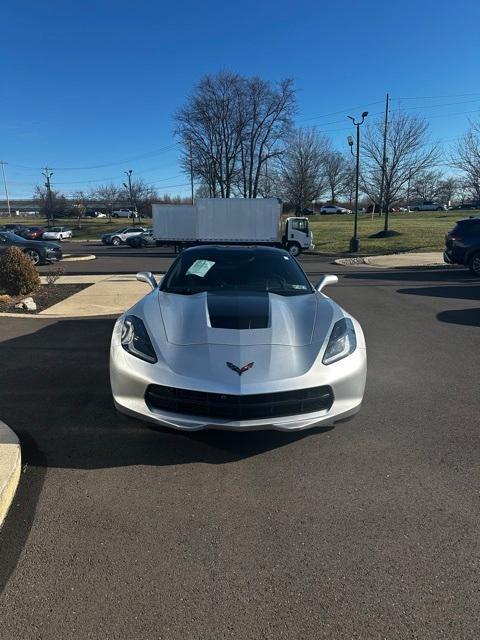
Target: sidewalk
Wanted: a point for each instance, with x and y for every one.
(10, 467)
(397, 260)
(108, 295)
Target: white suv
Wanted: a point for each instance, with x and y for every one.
(124, 213)
(121, 236)
(429, 205)
(333, 208)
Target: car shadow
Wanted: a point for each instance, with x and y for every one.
(467, 317)
(55, 394)
(438, 275)
(462, 292)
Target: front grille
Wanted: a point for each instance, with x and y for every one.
(239, 407)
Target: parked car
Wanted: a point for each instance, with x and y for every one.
(57, 233)
(260, 349)
(38, 251)
(124, 213)
(13, 228)
(429, 205)
(333, 208)
(100, 214)
(462, 244)
(121, 235)
(31, 233)
(145, 239)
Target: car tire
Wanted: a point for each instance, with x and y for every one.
(439, 208)
(114, 215)
(33, 255)
(116, 241)
(474, 263)
(294, 249)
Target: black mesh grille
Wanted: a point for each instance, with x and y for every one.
(241, 407)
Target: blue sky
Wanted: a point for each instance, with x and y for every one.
(87, 83)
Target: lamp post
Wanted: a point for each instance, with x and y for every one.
(355, 241)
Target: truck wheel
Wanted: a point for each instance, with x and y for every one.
(116, 241)
(294, 249)
(474, 263)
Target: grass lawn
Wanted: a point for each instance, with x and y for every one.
(423, 231)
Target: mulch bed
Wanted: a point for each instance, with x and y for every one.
(45, 297)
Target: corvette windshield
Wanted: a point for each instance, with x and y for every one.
(246, 269)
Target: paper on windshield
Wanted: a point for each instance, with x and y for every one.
(200, 268)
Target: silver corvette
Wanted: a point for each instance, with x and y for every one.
(237, 338)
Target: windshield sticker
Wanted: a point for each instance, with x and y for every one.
(298, 286)
(200, 268)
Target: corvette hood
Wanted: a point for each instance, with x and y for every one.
(244, 319)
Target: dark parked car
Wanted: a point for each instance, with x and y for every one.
(146, 239)
(14, 228)
(462, 244)
(31, 233)
(38, 251)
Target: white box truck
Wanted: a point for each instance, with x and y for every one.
(230, 221)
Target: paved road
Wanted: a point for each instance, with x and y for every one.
(124, 259)
(369, 530)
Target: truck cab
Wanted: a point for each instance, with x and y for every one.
(298, 236)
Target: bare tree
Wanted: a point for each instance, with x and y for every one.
(230, 128)
(56, 206)
(107, 195)
(301, 169)
(466, 157)
(447, 189)
(426, 185)
(267, 112)
(142, 195)
(408, 154)
(337, 172)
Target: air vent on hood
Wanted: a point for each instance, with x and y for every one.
(244, 311)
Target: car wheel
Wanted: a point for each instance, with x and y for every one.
(114, 215)
(116, 241)
(33, 255)
(474, 263)
(294, 249)
(439, 208)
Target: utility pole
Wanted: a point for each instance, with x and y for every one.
(408, 190)
(191, 168)
(133, 208)
(3, 163)
(47, 175)
(384, 157)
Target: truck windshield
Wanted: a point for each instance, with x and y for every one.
(238, 269)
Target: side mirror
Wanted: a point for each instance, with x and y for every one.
(148, 277)
(326, 280)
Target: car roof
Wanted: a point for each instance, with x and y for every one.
(221, 248)
(470, 219)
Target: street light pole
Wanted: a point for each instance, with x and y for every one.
(355, 241)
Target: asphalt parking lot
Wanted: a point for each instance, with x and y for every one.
(368, 530)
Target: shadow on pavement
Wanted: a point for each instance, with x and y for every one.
(439, 275)
(463, 292)
(468, 317)
(55, 393)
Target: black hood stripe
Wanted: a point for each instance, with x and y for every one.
(243, 311)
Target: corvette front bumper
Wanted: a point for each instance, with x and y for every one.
(130, 378)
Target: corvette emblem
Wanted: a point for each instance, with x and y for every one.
(240, 370)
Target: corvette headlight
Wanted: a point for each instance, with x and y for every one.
(342, 342)
(136, 340)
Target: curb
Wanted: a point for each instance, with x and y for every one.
(10, 468)
(71, 257)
